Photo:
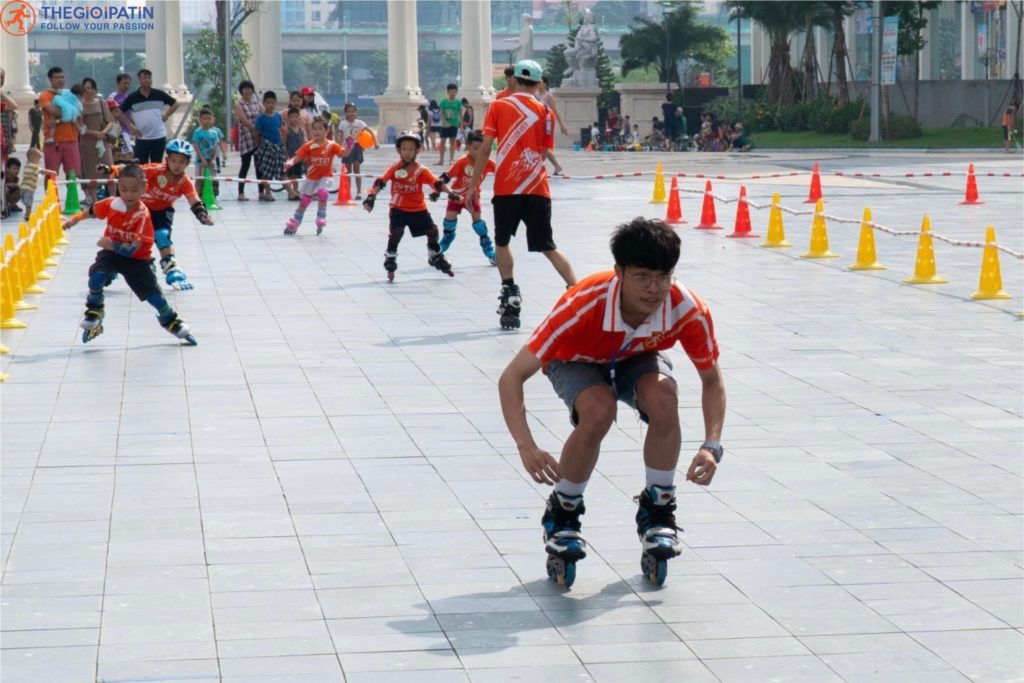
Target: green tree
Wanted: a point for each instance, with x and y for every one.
(645, 44)
(910, 39)
(779, 20)
(556, 64)
(204, 59)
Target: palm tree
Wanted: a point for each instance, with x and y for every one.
(647, 44)
(837, 11)
(779, 20)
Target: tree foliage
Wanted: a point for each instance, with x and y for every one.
(204, 68)
(779, 20)
(647, 43)
(556, 64)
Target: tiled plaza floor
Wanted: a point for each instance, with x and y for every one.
(323, 489)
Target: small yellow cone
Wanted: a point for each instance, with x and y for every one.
(776, 237)
(924, 269)
(660, 196)
(819, 236)
(990, 286)
(866, 259)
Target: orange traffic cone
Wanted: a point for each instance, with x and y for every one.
(344, 194)
(590, 146)
(708, 219)
(971, 195)
(924, 267)
(742, 228)
(815, 193)
(990, 286)
(674, 214)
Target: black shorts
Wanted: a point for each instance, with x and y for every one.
(418, 222)
(532, 209)
(354, 156)
(163, 218)
(449, 132)
(138, 273)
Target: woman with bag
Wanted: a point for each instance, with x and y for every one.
(94, 145)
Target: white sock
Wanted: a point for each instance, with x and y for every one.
(662, 478)
(567, 488)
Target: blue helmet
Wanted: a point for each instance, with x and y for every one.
(180, 146)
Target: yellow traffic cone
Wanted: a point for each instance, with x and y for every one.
(924, 268)
(9, 295)
(990, 286)
(819, 236)
(866, 259)
(12, 271)
(776, 238)
(660, 196)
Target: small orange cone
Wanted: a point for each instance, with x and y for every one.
(924, 268)
(742, 228)
(971, 195)
(815, 193)
(990, 286)
(708, 219)
(776, 231)
(590, 146)
(674, 214)
(344, 194)
(866, 259)
(819, 236)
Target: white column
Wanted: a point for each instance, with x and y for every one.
(968, 42)
(251, 36)
(14, 57)
(173, 50)
(476, 55)
(269, 52)
(412, 55)
(398, 103)
(156, 52)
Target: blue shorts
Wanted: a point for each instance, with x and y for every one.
(570, 378)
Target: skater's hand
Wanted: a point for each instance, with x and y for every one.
(540, 465)
(206, 220)
(105, 243)
(702, 468)
(368, 202)
(467, 199)
(457, 198)
(434, 196)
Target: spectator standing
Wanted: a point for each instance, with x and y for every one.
(149, 118)
(60, 138)
(668, 117)
(92, 145)
(123, 84)
(35, 124)
(247, 108)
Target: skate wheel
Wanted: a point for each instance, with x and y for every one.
(191, 341)
(450, 273)
(89, 335)
(391, 276)
(561, 572)
(654, 569)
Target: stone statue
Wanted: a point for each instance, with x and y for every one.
(524, 43)
(582, 57)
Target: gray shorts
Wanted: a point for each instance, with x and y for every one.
(570, 378)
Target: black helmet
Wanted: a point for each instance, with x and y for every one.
(409, 135)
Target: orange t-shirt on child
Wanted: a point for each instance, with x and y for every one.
(462, 170)
(407, 181)
(126, 226)
(319, 158)
(163, 189)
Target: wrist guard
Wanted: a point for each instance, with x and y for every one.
(368, 202)
(379, 185)
(199, 211)
(444, 178)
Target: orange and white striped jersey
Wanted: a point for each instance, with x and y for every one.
(524, 129)
(585, 326)
(126, 225)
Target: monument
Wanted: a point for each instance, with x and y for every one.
(524, 43)
(578, 94)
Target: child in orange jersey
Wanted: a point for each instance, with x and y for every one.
(459, 175)
(408, 205)
(318, 154)
(125, 249)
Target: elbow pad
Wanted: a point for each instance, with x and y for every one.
(444, 179)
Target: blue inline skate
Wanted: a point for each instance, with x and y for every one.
(92, 322)
(656, 527)
(562, 539)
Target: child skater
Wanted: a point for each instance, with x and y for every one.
(126, 248)
(408, 205)
(459, 175)
(318, 154)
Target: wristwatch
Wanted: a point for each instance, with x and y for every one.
(713, 447)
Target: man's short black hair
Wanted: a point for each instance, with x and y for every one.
(146, 72)
(13, 161)
(54, 70)
(269, 95)
(451, 86)
(132, 171)
(509, 71)
(246, 84)
(474, 136)
(122, 77)
(525, 81)
(646, 243)
(668, 98)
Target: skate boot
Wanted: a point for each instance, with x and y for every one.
(391, 264)
(437, 260)
(446, 239)
(321, 221)
(178, 328)
(562, 539)
(174, 275)
(509, 306)
(656, 527)
(292, 226)
(92, 322)
(487, 246)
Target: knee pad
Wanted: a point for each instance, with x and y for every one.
(480, 228)
(449, 224)
(322, 194)
(97, 281)
(162, 237)
(306, 200)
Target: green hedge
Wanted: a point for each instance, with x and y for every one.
(820, 116)
(899, 128)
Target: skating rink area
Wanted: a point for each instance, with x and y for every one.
(323, 489)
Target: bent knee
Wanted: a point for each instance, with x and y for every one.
(656, 396)
(595, 409)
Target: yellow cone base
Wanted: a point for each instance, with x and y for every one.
(934, 280)
(981, 296)
(866, 266)
(4, 376)
(24, 306)
(819, 254)
(50, 263)
(776, 245)
(12, 324)
(43, 275)
(33, 289)
(63, 241)
(4, 350)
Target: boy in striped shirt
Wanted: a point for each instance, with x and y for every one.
(603, 343)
